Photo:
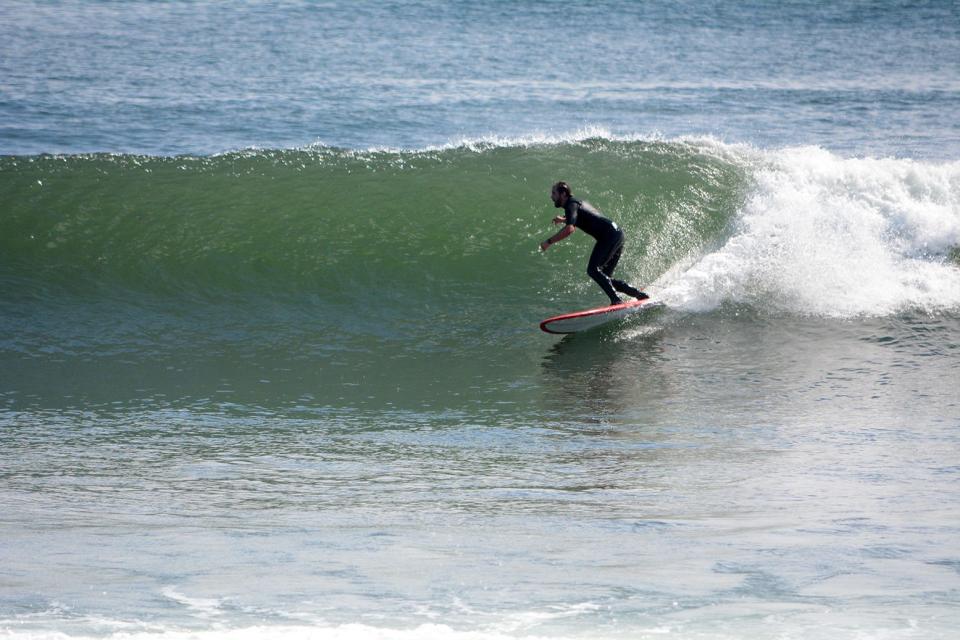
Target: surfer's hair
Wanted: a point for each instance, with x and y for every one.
(562, 187)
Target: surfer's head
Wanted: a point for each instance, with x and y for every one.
(560, 193)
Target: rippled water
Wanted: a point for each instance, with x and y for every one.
(299, 392)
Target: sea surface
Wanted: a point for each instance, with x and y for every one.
(269, 294)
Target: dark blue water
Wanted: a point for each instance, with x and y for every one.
(196, 77)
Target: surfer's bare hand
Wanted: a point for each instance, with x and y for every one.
(544, 245)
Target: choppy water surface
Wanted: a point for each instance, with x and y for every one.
(300, 392)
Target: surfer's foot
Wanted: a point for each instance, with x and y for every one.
(615, 301)
(633, 292)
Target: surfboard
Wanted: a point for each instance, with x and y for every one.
(590, 318)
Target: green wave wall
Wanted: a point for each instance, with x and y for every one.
(456, 225)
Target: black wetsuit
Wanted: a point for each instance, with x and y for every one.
(606, 253)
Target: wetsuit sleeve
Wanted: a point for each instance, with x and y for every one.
(572, 209)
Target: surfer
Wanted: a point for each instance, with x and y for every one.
(606, 253)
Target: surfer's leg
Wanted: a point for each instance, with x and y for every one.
(598, 259)
(620, 285)
(624, 287)
(612, 261)
(633, 292)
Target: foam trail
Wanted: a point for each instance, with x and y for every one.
(829, 236)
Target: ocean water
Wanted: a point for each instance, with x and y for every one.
(269, 295)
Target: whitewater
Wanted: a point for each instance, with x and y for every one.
(836, 237)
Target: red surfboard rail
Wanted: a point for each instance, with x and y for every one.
(589, 318)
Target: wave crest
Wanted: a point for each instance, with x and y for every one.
(796, 230)
(824, 235)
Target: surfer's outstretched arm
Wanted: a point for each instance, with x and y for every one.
(557, 237)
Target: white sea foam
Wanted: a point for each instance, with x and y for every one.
(832, 236)
(206, 607)
(444, 632)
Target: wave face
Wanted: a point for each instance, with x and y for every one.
(450, 227)
(797, 231)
